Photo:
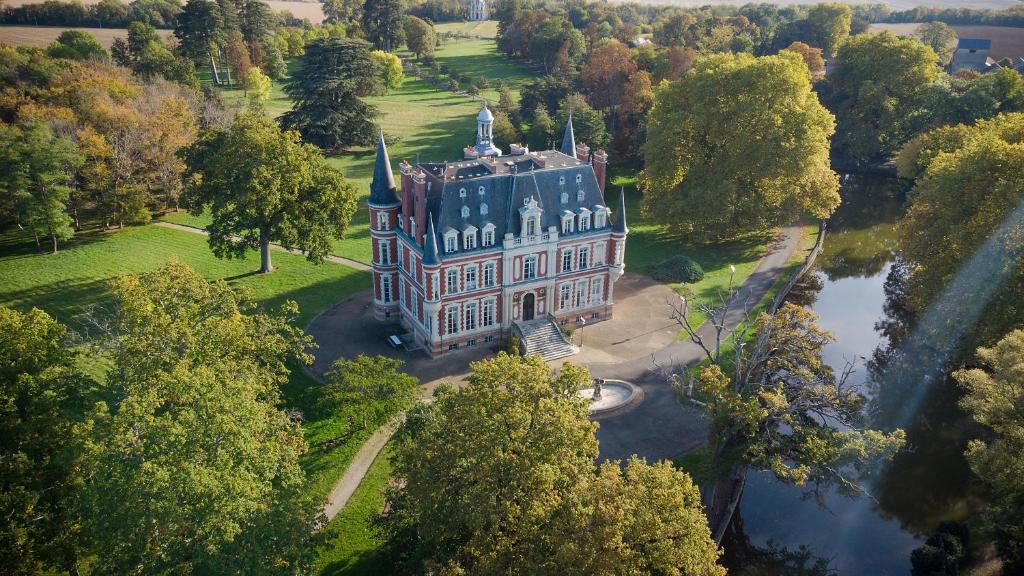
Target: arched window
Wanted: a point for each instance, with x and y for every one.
(483, 209)
(465, 211)
(561, 180)
(579, 178)
(481, 190)
(462, 192)
(565, 197)
(580, 195)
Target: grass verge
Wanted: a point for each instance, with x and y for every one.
(354, 546)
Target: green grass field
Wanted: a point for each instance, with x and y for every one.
(485, 29)
(481, 58)
(76, 279)
(353, 545)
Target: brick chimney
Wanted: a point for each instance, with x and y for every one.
(583, 152)
(600, 167)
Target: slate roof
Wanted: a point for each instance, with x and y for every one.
(382, 187)
(974, 44)
(505, 191)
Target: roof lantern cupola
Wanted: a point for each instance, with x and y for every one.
(484, 134)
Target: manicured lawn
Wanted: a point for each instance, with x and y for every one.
(75, 279)
(649, 244)
(354, 546)
(485, 29)
(68, 283)
(481, 58)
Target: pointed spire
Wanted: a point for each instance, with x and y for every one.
(430, 252)
(620, 222)
(569, 140)
(382, 187)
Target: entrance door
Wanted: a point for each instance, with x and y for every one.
(528, 307)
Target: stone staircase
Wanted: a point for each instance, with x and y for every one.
(542, 336)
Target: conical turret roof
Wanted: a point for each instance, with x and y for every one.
(569, 139)
(620, 220)
(382, 187)
(431, 257)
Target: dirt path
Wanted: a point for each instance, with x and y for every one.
(357, 469)
(330, 258)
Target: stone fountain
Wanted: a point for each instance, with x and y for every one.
(606, 395)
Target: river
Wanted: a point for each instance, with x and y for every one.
(783, 530)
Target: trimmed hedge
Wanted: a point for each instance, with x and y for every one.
(678, 268)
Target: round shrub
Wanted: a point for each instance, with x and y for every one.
(678, 268)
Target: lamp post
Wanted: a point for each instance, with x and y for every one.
(580, 323)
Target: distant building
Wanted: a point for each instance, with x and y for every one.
(469, 252)
(478, 10)
(972, 54)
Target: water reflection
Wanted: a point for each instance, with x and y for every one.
(856, 292)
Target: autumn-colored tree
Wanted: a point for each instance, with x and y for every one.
(812, 57)
(262, 185)
(631, 128)
(257, 87)
(500, 474)
(605, 74)
(717, 167)
(238, 57)
(388, 68)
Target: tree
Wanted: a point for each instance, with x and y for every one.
(342, 11)
(776, 405)
(78, 45)
(952, 100)
(587, 123)
(326, 91)
(605, 74)
(505, 133)
(262, 185)
(542, 131)
(257, 87)
(556, 44)
(717, 167)
(967, 199)
(829, 25)
(192, 458)
(420, 37)
(382, 21)
(993, 395)
(199, 31)
(43, 394)
(146, 55)
(389, 70)
(38, 177)
(812, 57)
(879, 84)
(238, 57)
(672, 30)
(500, 474)
(940, 37)
(374, 386)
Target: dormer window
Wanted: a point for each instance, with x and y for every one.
(465, 212)
(579, 178)
(451, 240)
(483, 209)
(481, 190)
(567, 222)
(469, 238)
(488, 234)
(462, 192)
(580, 195)
(565, 197)
(561, 180)
(600, 216)
(584, 219)
(529, 216)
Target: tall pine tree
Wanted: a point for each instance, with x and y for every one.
(326, 89)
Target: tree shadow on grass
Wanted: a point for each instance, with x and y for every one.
(362, 563)
(15, 243)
